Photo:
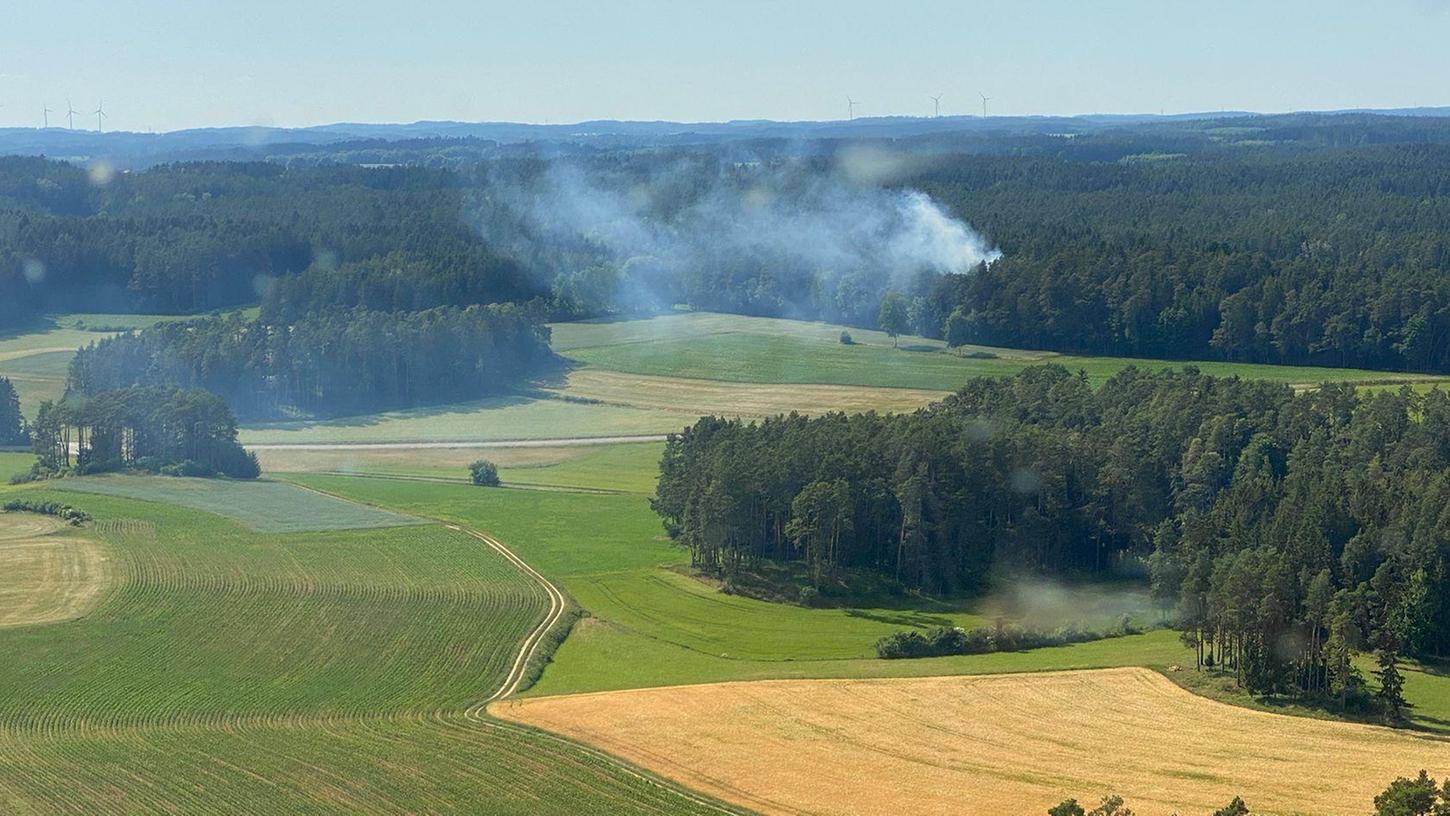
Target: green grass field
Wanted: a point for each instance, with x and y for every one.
(650, 626)
(757, 350)
(233, 671)
(507, 418)
(264, 505)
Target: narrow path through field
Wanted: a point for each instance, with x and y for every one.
(479, 714)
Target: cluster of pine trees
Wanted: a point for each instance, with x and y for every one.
(333, 361)
(1289, 531)
(185, 432)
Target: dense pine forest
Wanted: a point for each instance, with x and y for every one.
(1288, 531)
(1315, 240)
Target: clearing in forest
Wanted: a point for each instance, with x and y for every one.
(986, 745)
(49, 576)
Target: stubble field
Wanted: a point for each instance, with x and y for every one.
(968, 746)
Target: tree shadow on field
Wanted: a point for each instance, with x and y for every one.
(919, 620)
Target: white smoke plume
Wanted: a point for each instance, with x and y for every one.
(790, 238)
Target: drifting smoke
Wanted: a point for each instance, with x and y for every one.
(787, 238)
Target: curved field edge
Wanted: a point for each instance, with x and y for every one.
(1006, 743)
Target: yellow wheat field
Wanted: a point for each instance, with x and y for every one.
(1004, 744)
(46, 575)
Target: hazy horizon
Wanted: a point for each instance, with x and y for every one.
(160, 67)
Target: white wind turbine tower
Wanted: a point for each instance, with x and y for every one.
(851, 108)
(935, 105)
(45, 117)
(70, 115)
(984, 103)
(100, 114)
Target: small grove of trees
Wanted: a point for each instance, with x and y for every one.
(186, 432)
(484, 473)
(1414, 797)
(12, 423)
(1287, 532)
(332, 362)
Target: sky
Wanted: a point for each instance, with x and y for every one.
(166, 65)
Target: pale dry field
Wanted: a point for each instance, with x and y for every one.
(47, 576)
(402, 460)
(1003, 744)
(693, 396)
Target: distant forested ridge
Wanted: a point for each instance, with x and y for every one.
(336, 361)
(195, 237)
(1289, 530)
(183, 432)
(1303, 239)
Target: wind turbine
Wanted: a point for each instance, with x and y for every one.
(70, 115)
(984, 103)
(45, 117)
(935, 105)
(100, 114)
(851, 108)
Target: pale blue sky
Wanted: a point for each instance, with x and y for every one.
(166, 64)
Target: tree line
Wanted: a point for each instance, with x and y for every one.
(162, 429)
(1288, 531)
(335, 361)
(199, 236)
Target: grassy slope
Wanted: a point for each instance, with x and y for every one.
(651, 626)
(233, 671)
(788, 354)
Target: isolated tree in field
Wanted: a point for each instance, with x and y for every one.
(1067, 807)
(1392, 682)
(957, 329)
(1234, 808)
(484, 473)
(894, 318)
(12, 422)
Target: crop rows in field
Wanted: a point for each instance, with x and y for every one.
(211, 622)
(406, 764)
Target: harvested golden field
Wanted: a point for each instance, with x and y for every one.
(45, 575)
(1003, 744)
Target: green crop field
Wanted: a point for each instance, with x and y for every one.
(650, 626)
(263, 505)
(227, 670)
(757, 350)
